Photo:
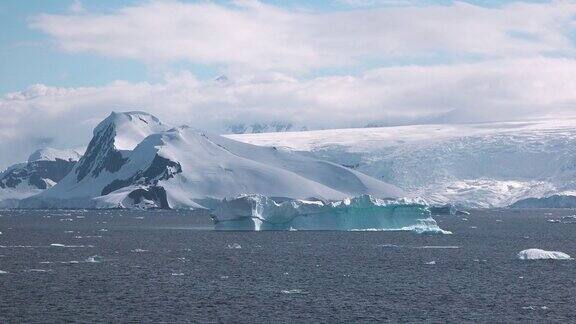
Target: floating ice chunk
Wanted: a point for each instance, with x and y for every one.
(69, 246)
(234, 246)
(538, 254)
(38, 270)
(431, 263)
(139, 250)
(388, 245)
(292, 291)
(94, 259)
(564, 219)
(177, 274)
(365, 213)
(3, 272)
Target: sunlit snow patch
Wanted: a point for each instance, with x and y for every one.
(364, 213)
(538, 254)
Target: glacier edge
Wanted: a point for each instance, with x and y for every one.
(363, 213)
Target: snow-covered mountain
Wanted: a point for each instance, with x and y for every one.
(44, 169)
(134, 160)
(476, 165)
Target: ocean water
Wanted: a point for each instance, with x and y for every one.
(127, 266)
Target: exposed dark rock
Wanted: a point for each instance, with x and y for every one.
(160, 169)
(154, 193)
(100, 155)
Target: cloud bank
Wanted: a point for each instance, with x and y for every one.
(473, 92)
(408, 64)
(252, 35)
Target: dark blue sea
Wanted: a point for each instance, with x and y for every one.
(127, 266)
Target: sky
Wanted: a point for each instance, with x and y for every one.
(317, 64)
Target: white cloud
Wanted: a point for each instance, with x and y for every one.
(249, 35)
(484, 91)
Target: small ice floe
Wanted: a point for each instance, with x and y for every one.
(388, 245)
(3, 272)
(19, 246)
(535, 307)
(293, 291)
(538, 254)
(224, 277)
(37, 270)
(564, 219)
(68, 231)
(103, 230)
(431, 262)
(139, 217)
(66, 219)
(234, 246)
(70, 246)
(94, 259)
(138, 250)
(473, 227)
(177, 273)
(438, 247)
(568, 219)
(464, 219)
(498, 221)
(70, 262)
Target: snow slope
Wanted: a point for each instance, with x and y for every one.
(134, 160)
(475, 165)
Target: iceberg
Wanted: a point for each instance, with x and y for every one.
(363, 213)
(538, 254)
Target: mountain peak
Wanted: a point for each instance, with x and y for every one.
(130, 128)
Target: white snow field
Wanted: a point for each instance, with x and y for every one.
(135, 161)
(255, 212)
(474, 165)
(538, 254)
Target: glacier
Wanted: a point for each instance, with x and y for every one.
(480, 165)
(363, 213)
